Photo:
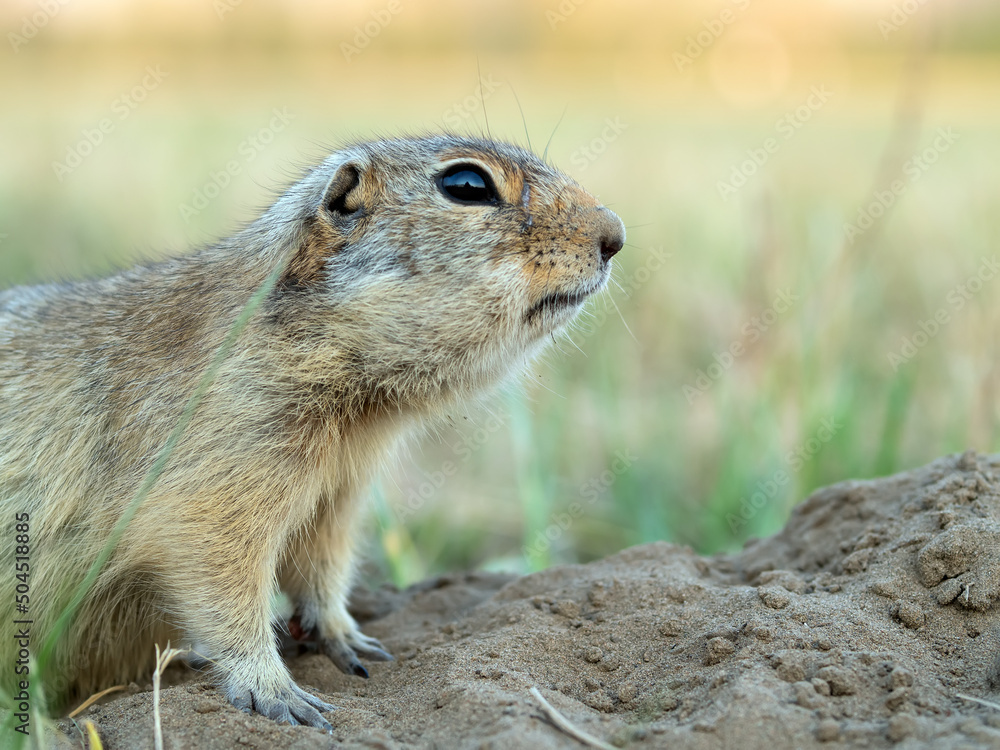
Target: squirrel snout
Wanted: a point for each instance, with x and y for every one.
(611, 234)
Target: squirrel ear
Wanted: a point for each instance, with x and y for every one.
(342, 196)
(341, 200)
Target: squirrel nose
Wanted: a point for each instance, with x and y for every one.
(611, 236)
(610, 247)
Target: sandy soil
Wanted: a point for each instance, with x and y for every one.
(861, 624)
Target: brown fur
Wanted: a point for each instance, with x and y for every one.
(396, 303)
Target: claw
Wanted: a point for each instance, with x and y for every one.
(374, 653)
(344, 652)
(294, 706)
(312, 700)
(368, 647)
(343, 657)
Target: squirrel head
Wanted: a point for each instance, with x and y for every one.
(434, 266)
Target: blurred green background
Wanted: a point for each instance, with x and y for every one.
(811, 191)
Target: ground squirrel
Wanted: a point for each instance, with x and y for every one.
(419, 272)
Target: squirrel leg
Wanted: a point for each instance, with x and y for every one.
(317, 575)
(232, 619)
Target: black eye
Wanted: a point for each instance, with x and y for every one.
(467, 183)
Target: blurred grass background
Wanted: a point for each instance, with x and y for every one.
(606, 445)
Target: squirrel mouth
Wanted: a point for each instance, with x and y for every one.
(556, 302)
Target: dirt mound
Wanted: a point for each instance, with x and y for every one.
(861, 623)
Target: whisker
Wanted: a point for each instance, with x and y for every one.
(545, 153)
(482, 98)
(576, 345)
(615, 304)
(523, 120)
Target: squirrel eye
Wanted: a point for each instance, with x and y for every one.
(467, 183)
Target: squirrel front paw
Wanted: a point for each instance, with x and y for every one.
(292, 705)
(344, 648)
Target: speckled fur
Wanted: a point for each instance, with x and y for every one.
(396, 304)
